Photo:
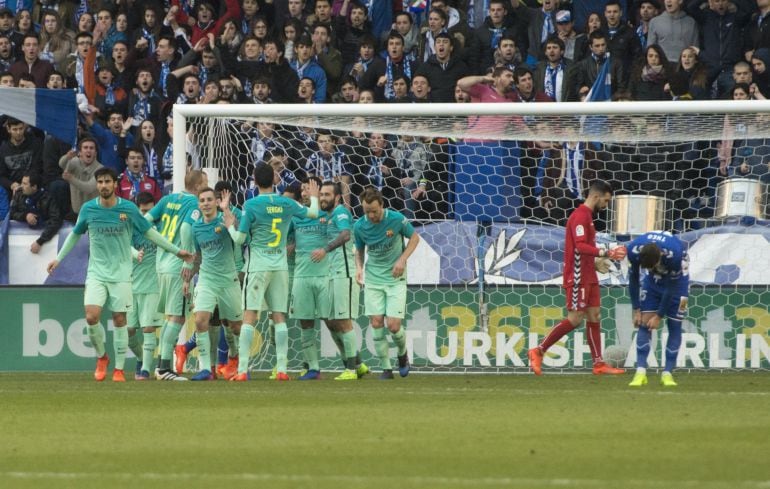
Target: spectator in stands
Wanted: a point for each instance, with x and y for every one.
(100, 86)
(109, 139)
(409, 32)
(306, 91)
(79, 168)
(149, 143)
(247, 63)
(20, 154)
(305, 66)
(134, 180)
(161, 65)
(329, 164)
(400, 90)
(575, 44)
(56, 40)
(648, 9)
(251, 10)
(26, 80)
(437, 23)
(75, 64)
(292, 30)
(593, 23)
(525, 91)
(379, 171)
(203, 59)
(584, 73)
(6, 80)
(758, 30)
(420, 89)
(650, 75)
(507, 54)
(695, 74)
(673, 30)
(327, 56)
(352, 30)
(6, 29)
(348, 93)
(7, 58)
(205, 15)
(36, 207)
(366, 97)
(150, 29)
(366, 59)
(31, 62)
(231, 91)
(261, 91)
(722, 25)
(118, 63)
(56, 81)
(487, 37)
(53, 150)
(550, 75)
(443, 69)
(86, 22)
(322, 15)
(415, 167)
(760, 76)
(380, 78)
(144, 103)
(541, 24)
(109, 33)
(191, 89)
(622, 42)
(283, 79)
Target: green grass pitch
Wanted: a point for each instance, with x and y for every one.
(425, 431)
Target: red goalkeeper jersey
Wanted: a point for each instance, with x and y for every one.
(580, 248)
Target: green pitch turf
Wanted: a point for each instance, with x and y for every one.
(425, 431)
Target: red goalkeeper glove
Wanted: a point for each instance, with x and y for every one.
(617, 253)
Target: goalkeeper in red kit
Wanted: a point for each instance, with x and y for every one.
(581, 284)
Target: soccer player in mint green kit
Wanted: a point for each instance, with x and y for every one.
(144, 313)
(265, 221)
(310, 290)
(174, 215)
(381, 233)
(110, 222)
(218, 285)
(344, 291)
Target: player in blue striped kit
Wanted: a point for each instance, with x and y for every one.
(663, 294)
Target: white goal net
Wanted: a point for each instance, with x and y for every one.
(489, 188)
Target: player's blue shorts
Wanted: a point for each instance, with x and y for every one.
(652, 293)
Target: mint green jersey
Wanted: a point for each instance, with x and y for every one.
(110, 233)
(342, 260)
(266, 219)
(239, 260)
(144, 274)
(168, 215)
(217, 251)
(309, 235)
(384, 243)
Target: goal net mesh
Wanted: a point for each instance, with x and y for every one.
(490, 196)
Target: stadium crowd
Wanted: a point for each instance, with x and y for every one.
(131, 61)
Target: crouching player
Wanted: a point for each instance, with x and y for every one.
(218, 284)
(664, 294)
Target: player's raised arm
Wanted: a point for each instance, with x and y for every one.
(313, 190)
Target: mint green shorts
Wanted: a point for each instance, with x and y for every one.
(344, 298)
(385, 300)
(118, 296)
(310, 298)
(171, 299)
(144, 313)
(267, 288)
(227, 298)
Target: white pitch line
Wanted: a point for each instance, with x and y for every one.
(354, 479)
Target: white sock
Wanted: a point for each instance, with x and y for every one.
(641, 370)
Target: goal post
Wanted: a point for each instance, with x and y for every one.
(489, 187)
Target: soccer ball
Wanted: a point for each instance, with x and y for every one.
(615, 355)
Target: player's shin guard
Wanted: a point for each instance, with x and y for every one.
(310, 348)
(120, 343)
(399, 337)
(135, 344)
(281, 347)
(594, 333)
(167, 342)
(349, 342)
(204, 350)
(232, 342)
(148, 350)
(643, 336)
(381, 347)
(223, 348)
(244, 347)
(96, 335)
(673, 343)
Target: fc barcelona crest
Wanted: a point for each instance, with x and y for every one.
(123, 217)
(218, 229)
(389, 233)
